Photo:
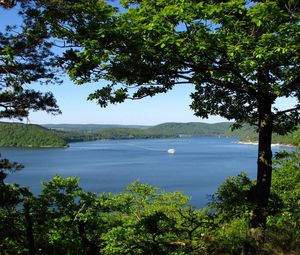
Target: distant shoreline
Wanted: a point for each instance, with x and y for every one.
(273, 144)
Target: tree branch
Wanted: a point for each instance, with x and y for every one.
(225, 67)
(293, 84)
(65, 46)
(287, 111)
(228, 85)
(189, 79)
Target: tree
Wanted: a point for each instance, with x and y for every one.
(240, 55)
(14, 222)
(25, 58)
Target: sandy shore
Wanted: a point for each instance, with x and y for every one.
(247, 142)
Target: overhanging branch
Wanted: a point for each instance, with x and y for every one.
(294, 84)
(200, 68)
(287, 111)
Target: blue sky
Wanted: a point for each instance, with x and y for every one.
(72, 99)
(169, 107)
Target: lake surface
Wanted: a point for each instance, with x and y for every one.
(198, 167)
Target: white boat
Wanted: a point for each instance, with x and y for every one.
(171, 151)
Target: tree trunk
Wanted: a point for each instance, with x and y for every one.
(29, 228)
(89, 248)
(264, 165)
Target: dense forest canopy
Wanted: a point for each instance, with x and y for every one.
(21, 135)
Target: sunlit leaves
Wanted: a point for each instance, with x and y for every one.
(145, 220)
(142, 219)
(221, 45)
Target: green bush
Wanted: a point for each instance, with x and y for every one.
(143, 220)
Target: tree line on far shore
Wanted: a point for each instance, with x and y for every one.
(21, 135)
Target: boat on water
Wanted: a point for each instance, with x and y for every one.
(171, 151)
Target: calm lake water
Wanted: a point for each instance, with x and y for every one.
(198, 167)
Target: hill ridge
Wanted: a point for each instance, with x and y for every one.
(28, 135)
(33, 135)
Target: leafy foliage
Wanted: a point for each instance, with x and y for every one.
(11, 224)
(286, 185)
(234, 197)
(141, 220)
(145, 220)
(25, 58)
(234, 52)
(239, 57)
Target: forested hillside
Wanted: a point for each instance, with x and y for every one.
(248, 134)
(89, 127)
(21, 135)
(191, 128)
(108, 133)
(164, 130)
